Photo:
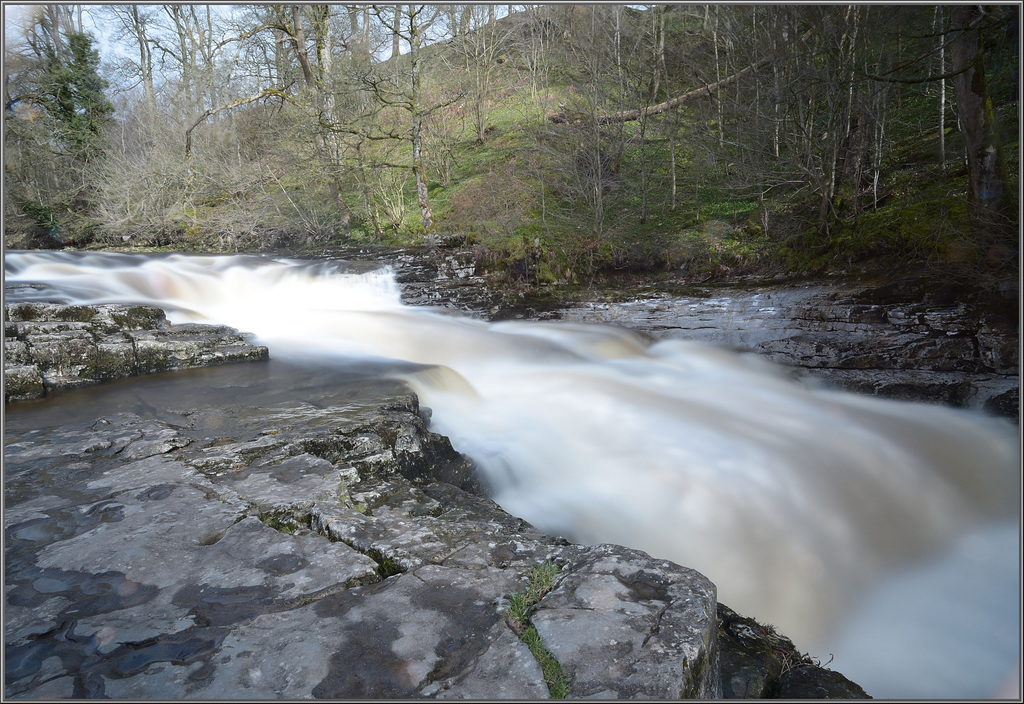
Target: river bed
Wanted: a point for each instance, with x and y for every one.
(849, 522)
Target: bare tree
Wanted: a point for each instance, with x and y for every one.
(481, 42)
(411, 25)
(316, 77)
(133, 22)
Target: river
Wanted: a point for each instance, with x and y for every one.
(883, 533)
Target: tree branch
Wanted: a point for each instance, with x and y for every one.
(636, 114)
(912, 81)
(267, 92)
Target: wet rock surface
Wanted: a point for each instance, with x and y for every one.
(901, 339)
(311, 552)
(449, 277)
(51, 347)
(759, 663)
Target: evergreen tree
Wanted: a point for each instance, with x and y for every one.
(72, 92)
(55, 128)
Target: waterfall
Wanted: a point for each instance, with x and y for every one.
(813, 510)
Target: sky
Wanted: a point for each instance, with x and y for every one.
(15, 15)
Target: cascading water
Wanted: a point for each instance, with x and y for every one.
(805, 506)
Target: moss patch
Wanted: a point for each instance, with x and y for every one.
(386, 567)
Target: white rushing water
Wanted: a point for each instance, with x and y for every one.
(884, 533)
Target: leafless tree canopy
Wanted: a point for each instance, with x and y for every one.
(208, 124)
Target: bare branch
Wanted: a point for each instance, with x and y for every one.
(267, 92)
(913, 81)
(635, 114)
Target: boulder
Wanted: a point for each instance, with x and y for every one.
(757, 662)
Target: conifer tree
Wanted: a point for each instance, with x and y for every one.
(72, 91)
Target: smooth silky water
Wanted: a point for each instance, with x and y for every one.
(883, 533)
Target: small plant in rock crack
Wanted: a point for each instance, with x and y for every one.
(554, 678)
(518, 613)
(542, 578)
(540, 581)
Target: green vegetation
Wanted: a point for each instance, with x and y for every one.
(558, 684)
(386, 567)
(282, 524)
(541, 579)
(774, 139)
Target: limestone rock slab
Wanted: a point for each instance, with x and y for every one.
(52, 347)
(625, 626)
(246, 554)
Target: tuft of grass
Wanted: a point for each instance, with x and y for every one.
(554, 678)
(541, 579)
(518, 613)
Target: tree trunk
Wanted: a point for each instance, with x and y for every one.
(663, 72)
(365, 54)
(635, 114)
(145, 59)
(395, 35)
(300, 45)
(942, 87)
(332, 148)
(353, 21)
(422, 195)
(186, 56)
(326, 140)
(718, 81)
(987, 192)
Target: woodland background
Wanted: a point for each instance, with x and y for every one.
(561, 141)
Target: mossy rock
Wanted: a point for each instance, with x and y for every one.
(814, 682)
(23, 383)
(758, 663)
(138, 318)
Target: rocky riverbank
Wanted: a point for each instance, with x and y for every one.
(51, 347)
(338, 551)
(900, 338)
(334, 553)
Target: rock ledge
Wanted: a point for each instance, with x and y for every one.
(52, 347)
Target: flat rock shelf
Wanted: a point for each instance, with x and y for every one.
(51, 347)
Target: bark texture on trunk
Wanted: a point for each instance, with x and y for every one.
(986, 171)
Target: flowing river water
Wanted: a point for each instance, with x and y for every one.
(884, 533)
